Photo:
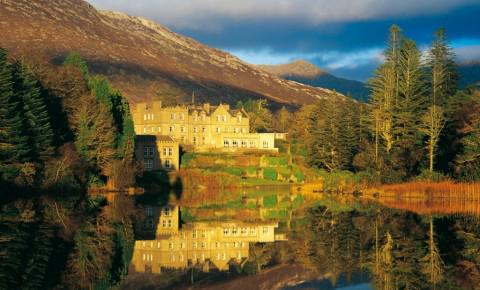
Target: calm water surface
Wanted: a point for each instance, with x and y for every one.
(280, 238)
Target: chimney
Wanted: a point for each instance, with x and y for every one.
(206, 107)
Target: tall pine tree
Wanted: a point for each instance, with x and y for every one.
(35, 115)
(13, 144)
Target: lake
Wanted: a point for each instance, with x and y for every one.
(283, 238)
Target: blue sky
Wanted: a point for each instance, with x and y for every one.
(345, 37)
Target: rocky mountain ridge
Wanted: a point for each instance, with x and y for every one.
(140, 57)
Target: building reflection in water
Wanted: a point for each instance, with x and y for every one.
(207, 245)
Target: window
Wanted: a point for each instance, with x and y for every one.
(182, 129)
(172, 116)
(204, 129)
(172, 257)
(253, 144)
(149, 224)
(243, 130)
(194, 234)
(164, 223)
(164, 151)
(153, 116)
(243, 231)
(158, 245)
(239, 119)
(144, 129)
(167, 164)
(203, 116)
(235, 143)
(236, 130)
(153, 129)
(204, 233)
(170, 151)
(149, 164)
(265, 144)
(195, 245)
(244, 143)
(194, 140)
(182, 245)
(150, 151)
(252, 231)
(166, 211)
(145, 151)
(169, 223)
(159, 129)
(170, 245)
(265, 230)
(218, 130)
(204, 140)
(172, 128)
(204, 245)
(226, 232)
(217, 244)
(234, 231)
(182, 116)
(144, 117)
(226, 143)
(195, 129)
(149, 211)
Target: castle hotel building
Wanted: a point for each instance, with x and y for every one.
(160, 130)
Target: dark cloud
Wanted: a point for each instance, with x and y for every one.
(343, 36)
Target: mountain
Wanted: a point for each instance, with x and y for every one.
(304, 72)
(469, 74)
(140, 57)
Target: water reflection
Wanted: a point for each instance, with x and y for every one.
(334, 242)
(203, 245)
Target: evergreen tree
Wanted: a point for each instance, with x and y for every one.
(442, 68)
(13, 144)
(35, 115)
(411, 105)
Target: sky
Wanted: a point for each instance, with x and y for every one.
(344, 37)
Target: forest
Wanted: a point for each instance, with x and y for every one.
(417, 123)
(62, 131)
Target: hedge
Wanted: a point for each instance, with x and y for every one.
(270, 173)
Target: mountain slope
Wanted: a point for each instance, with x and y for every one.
(306, 73)
(469, 74)
(140, 57)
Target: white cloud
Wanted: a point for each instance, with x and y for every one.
(204, 14)
(329, 60)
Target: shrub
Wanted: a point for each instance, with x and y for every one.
(276, 214)
(270, 201)
(270, 173)
(276, 161)
(233, 171)
(298, 175)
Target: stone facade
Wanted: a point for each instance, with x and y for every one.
(157, 152)
(204, 127)
(213, 245)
